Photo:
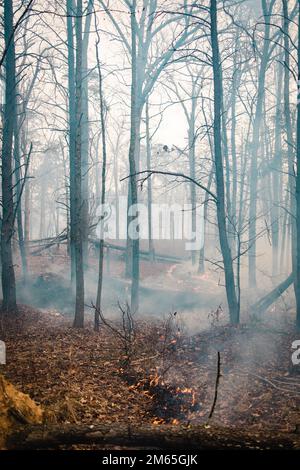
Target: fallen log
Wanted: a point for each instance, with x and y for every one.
(49, 243)
(267, 300)
(44, 241)
(143, 253)
(150, 436)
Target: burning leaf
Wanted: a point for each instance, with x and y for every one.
(175, 421)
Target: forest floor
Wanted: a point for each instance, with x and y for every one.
(161, 377)
(163, 371)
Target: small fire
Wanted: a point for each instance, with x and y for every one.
(157, 421)
(186, 390)
(175, 422)
(155, 380)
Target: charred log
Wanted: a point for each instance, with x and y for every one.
(160, 437)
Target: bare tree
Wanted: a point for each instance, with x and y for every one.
(7, 226)
(297, 280)
(98, 307)
(79, 305)
(218, 159)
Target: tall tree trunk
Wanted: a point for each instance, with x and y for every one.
(277, 163)
(116, 185)
(284, 230)
(221, 214)
(42, 209)
(192, 143)
(136, 132)
(85, 134)
(103, 189)
(72, 131)
(289, 136)
(225, 152)
(27, 212)
(19, 183)
(235, 85)
(149, 186)
(255, 146)
(135, 120)
(297, 281)
(9, 119)
(201, 267)
(79, 304)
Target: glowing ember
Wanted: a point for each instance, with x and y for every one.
(158, 421)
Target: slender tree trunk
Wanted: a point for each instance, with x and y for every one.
(255, 146)
(137, 123)
(116, 184)
(284, 231)
(201, 268)
(42, 209)
(85, 135)
(27, 202)
(66, 198)
(135, 119)
(235, 85)
(192, 143)
(72, 131)
(297, 282)
(103, 189)
(19, 183)
(149, 186)
(79, 304)
(225, 152)
(97, 172)
(27, 212)
(221, 214)
(9, 119)
(289, 136)
(243, 187)
(277, 163)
